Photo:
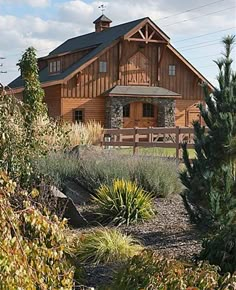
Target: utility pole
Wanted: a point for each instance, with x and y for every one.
(1, 65)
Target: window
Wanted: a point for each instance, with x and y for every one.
(55, 66)
(148, 110)
(126, 111)
(79, 116)
(103, 66)
(172, 70)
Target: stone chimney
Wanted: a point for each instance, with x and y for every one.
(102, 23)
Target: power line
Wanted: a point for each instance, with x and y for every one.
(204, 56)
(202, 35)
(199, 43)
(189, 10)
(200, 16)
(200, 46)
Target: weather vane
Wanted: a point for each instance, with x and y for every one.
(102, 7)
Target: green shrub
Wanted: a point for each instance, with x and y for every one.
(106, 245)
(58, 166)
(99, 167)
(152, 272)
(123, 203)
(157, 176)
(220, 250)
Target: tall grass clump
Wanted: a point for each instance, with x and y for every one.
(58, 166)
(106, 246)
(123, 203)
(89, 133)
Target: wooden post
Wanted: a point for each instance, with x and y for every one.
(177, 141)
(102, 139)
(150, 135)
(136, 140)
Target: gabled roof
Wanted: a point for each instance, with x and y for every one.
(102, 18)
(141, 91)
(99, 40)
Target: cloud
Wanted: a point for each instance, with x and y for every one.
(67, 19)
(33, 3)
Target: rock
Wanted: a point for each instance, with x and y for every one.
(78, 194)
(70, 212)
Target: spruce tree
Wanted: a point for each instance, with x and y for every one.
(210, 178)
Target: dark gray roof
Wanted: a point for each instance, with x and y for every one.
(102, 18)
(99, 40)
(141, 91)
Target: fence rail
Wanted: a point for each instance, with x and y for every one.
(162, 137)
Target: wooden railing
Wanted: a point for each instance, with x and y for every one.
(162, 137)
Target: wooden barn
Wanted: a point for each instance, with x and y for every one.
(122, 76)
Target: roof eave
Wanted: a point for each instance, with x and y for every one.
(143, 96)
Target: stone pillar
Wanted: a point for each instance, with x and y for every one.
(166, 113)
(114, 113)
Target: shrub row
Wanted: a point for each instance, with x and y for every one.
(96, 167)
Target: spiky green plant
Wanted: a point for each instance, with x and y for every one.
(123, 203)
(106, 245)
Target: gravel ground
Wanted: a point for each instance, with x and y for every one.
(170, 233)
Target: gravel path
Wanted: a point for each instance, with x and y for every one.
(170, 233)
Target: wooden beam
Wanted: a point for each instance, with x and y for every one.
(140, 31)
(146, 32)
(144, 40)
(150, 37)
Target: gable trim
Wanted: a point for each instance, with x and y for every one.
(147, 21)
(190, 66)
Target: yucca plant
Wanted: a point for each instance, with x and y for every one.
(106, 245)
(123, 203)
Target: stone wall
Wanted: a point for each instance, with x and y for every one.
(114, 110)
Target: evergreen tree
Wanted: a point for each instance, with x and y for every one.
(33, 94)
(210, 179)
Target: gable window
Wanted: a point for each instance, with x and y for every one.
(126, 111)
(79, 115)
(172, 70)
(148, 110)
(54, 66)
(102, 66)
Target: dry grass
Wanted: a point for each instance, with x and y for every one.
(106, 245)
(84, 134)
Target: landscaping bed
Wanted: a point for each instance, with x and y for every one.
(170, 232)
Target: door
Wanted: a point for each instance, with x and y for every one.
(193, 115)
(139, 114)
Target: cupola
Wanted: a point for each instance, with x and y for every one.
(102, 23)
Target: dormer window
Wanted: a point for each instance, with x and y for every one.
(102, 66)
(55, 66)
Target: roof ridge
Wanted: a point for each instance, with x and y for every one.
(90, 33)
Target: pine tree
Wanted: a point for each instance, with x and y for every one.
(210, 179)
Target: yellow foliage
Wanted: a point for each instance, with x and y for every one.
(32, 247)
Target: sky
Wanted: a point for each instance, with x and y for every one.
(196, 28)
